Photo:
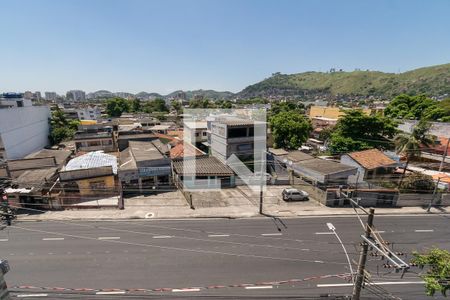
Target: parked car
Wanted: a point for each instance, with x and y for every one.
(294, 195)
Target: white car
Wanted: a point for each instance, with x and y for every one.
(294, 195)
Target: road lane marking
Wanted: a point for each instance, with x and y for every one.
(270, 234)
(162, 237)
(373, 283)
(31, 295)
(324, 232)
(424, 230)
(258, 287)
(3, 240)
(319, 261)
(111, 293)
(218, 235)
(53, 239)
(186, 290)
(109, 238)
(381, 231)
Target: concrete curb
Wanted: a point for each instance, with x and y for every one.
(230, 217)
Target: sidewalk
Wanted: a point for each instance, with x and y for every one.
(182, 210)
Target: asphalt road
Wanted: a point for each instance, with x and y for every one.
(216, 257)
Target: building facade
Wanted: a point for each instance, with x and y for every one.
(23, 130)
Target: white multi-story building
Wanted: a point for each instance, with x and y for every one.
(76, 95)
(89, 113)
(23, 128)
(50, 96)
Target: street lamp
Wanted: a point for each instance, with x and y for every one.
(333, 229)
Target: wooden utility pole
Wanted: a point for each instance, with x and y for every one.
(363, 258)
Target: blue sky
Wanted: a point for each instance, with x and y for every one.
(161, 46)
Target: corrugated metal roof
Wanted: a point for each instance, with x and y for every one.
(92, 160)
(202, 166)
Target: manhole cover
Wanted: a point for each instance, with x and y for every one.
(149, 215)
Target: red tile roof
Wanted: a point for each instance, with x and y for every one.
(184, 150)
(371, 159)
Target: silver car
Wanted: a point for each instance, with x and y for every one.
(294, 195)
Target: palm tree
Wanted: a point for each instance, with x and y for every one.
(409, 143)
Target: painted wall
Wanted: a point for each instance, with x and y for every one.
(24, 130)
(91, 186)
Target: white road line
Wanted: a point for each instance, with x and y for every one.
(270, 234)
(111, 293)
(3, 240)
(424, 230)
(53, 239)
(374, 283)
(162, 237)
(324, 232)
(319, 261)
(381, 231)
(31, 295)
(258, 287)
(186, 290)
(109, 238)
(218, 235)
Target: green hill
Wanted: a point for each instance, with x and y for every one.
(432, 81)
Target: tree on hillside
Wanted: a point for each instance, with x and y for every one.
(61, 129)
(437, 264)
(116, 106)
(408, 144)
(176, 105)
(357, 131)
(290, 129)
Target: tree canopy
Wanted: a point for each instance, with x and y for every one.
(157, 105)
(418, 107)
(357, 131)
(437, 276)
(61, 129)
(290, 129)
(116, 106)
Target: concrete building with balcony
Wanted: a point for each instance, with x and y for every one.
(95, 137)
(89, 113)
(195, 132)
(236, 136)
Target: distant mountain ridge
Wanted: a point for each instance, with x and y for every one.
(433, 81)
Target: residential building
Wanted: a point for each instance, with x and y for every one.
(37, 95)
(51, 96)
(28, 95)
(195, 132)
(95, 137)
(88, 176)
(202, 172)
(236, 136)
(144, 166)
(124, 138)
(371, 164)
(23, 128)
(34, 178)
(319, 172)
(89, 113)
(76, 95)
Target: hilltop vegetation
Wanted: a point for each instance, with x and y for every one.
(431, 81)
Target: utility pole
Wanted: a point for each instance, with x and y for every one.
(444, 155)
(434, 194)
(363, 258)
